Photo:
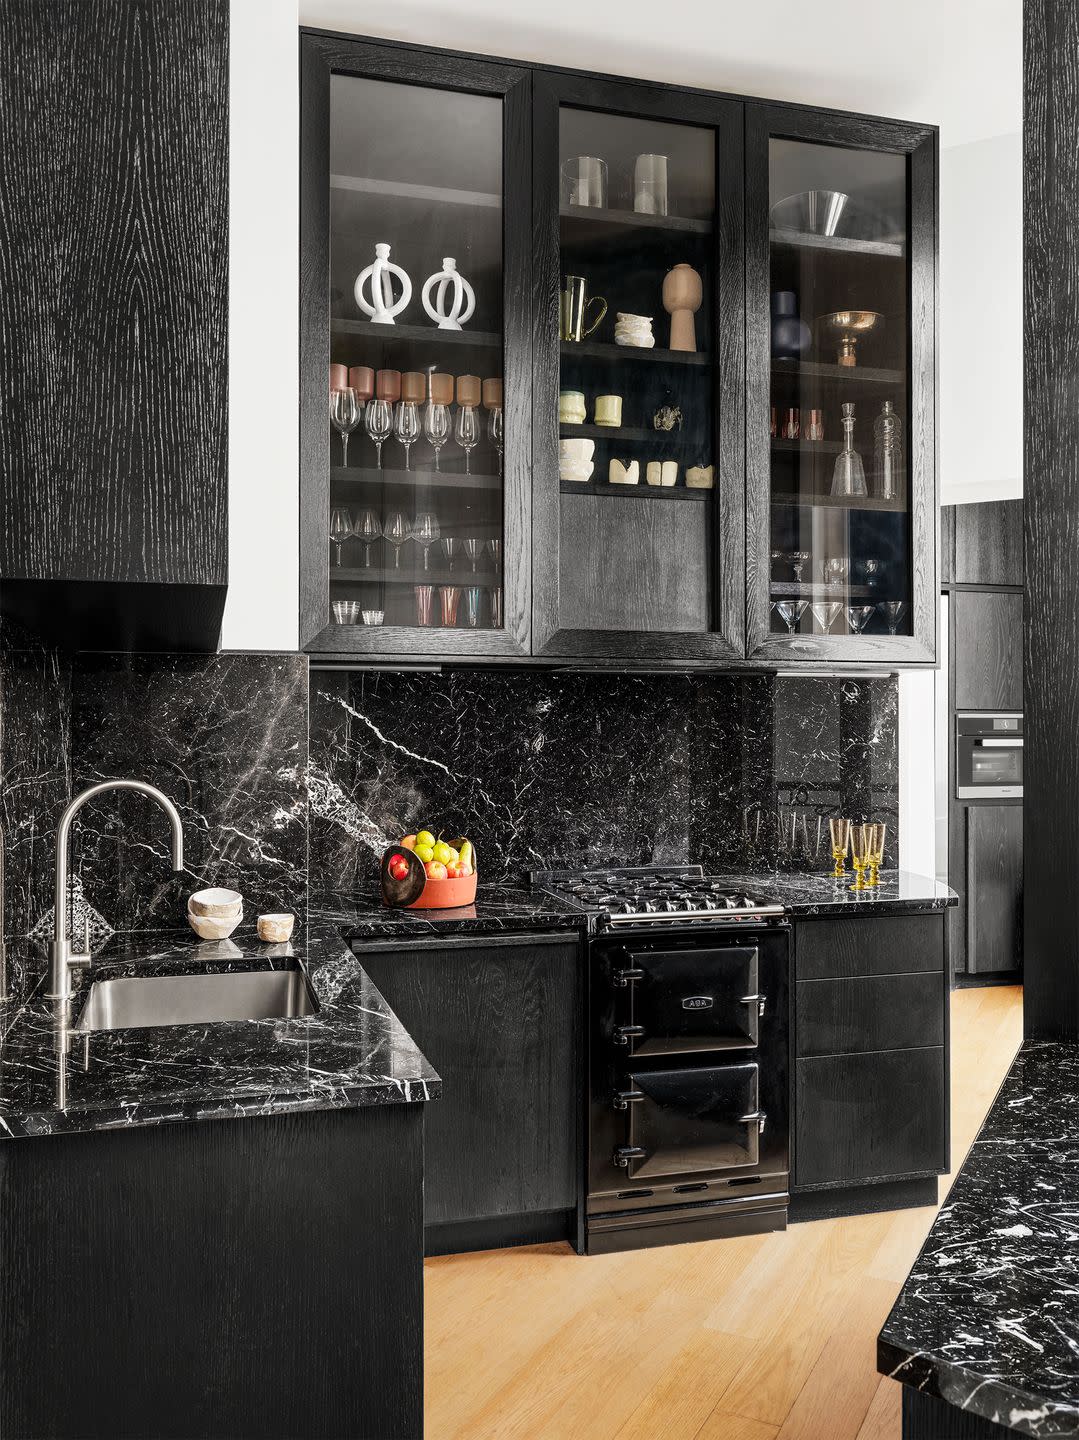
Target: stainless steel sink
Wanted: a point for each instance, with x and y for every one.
(137, 1002)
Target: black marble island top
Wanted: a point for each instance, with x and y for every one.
(352, 1052)
(988, 1319)
(819, 894)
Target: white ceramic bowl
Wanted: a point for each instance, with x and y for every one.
(214, 927)
(276, 929)
(577, 471)
(575, 450)
(215, 903)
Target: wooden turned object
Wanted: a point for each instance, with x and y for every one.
(682, 296)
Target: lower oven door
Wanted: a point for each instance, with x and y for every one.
(695, 999)
(683, 1121)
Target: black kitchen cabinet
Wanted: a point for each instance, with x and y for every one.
(114, 367)
(626, 239)
(870, 1058)
(988, 633)
(985, 543)
(500, 1021)
(994, 889)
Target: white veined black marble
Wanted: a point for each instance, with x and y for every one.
(988, 1318)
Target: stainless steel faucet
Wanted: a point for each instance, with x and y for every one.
(3, 948)
(64, 958)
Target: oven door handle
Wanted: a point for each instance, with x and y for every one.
(624, 1033)
(623, 977)
(760, 1000)
(623, 1099)
(756, 1117)
(999, 743)
(625, 1153)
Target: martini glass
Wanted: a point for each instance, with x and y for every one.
(791, 612)
(858, 617)
(893, 612)
(825, 613)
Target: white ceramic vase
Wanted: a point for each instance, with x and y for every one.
(462, 304)
(382, 307)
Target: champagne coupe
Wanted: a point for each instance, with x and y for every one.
(893, 611)
(495, 547)
(368, 528)
(436, 426)
(825, 613)
(798, 559)
(396, 531)
(378, 421)
(840, 834)
(406, 426)
(345, 413)
(340, 528)
(473, 549)
(426, 532)
(858, 617)
(449, 547)
(466, 433)
(494, 433)
(791, 612)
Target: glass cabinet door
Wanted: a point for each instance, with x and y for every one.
(422, 465)
(839, 449)
(636, 443)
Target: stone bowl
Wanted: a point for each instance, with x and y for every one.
(216, 903)
(214, 927)
(276, 929)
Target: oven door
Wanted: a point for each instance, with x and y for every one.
(680, 1122)
(693, 1000)
(989, 767)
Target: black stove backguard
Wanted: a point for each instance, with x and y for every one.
(689, 1085)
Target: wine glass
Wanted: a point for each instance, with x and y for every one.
(473, 549)
(449, 547)
(798, 560)
(436, 426)
(378, 421)
(396, 531)
(858, 617)
(426, 532)
(825, 612)
(340, 528)
(466, 433)
(893, 612)
(494, 433)
(368, 528)
(406, 426)
(791, 612)
(345, 413)
(495, 547)
(870, 571)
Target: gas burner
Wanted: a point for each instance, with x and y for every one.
(654, 896)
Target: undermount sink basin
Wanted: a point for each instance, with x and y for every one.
(137, 1002)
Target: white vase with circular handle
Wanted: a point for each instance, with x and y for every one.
(454, 315)
(382, 307)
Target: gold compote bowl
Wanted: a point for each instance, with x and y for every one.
(848, 327)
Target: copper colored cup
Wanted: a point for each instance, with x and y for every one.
(441, 389)
(469, 390)
(338, 377)
(362, 380)
(413, 387)
(492, 394)
(814, 426)
(388, 385)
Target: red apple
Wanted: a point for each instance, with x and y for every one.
(435, 870)
(409, 842)
(398, 867)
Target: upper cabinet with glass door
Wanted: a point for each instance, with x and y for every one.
(638, 404)
(415, 451)
(840, 470)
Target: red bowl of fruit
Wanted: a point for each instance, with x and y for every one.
(422, 873)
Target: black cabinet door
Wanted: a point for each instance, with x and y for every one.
(415, 440)
(988, 661)
(994, 888)
(638, 371)
(988, 541)
(114, 363)
(841, 483)
(499, 1021)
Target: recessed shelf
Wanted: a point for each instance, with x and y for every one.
(423, 333)
(594, 215)
(424, 194)
(837, 244)
(640, 491)
(618, 432)
(599, 350)
(848, 374)
(414, 479)
(838, 502)
(810, 590)
(413, 574)
(806, 447)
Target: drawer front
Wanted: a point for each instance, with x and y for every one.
(869, 945)
(882, 1012)
(870, 1117)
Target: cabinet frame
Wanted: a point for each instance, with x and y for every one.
(919, 143)
(323, 55)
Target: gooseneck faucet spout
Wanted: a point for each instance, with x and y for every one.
(64, 957)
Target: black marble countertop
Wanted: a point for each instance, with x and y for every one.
(352, 1052)
(987, 1319)
(820, 894)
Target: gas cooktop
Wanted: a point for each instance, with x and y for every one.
(649, 895)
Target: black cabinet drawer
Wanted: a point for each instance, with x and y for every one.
(878, 1012)
(869, 945)
(870, 1117)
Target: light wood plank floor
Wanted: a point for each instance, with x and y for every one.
(746, 1339)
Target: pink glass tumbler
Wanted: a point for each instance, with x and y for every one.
(449, 597)
(425, 598)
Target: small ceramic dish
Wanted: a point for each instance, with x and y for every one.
(276, 929)
(216, 902)
(214, 927)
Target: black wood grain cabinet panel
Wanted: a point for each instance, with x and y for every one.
(988, 650)
(870, 1117)
(114, 290)
(927, 1418)
(995, 886)
(881, 1012)
(989, 543)
(869, 945)
(499, 1022)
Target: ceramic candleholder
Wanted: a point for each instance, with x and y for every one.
(382, 308)
(454, 298)
(683, 293)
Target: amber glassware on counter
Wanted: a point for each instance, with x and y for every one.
(840, 833)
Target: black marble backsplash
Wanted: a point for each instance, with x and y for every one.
(544, 769)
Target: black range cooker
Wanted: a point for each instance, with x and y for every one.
(688, 1105)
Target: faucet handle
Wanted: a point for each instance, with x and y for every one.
(84, 959)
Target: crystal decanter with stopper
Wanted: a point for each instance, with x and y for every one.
(848, 477)
(887, 453)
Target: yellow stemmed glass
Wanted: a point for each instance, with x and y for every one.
(840, 832)
(876, 855)
(861, 840)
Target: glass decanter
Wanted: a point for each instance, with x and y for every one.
(848, 477)
(887, 453)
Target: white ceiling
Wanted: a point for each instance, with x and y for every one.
(955, 63)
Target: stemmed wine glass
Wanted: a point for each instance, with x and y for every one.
(494, 433)
(396, 531)
(368, 528)
(466, 433)
(449, 546)
(791, 612)
(340, 528)
(495, 547)
(893, 612)
(406, 426)
(436, 426)
(473, 549)
(345, 413)
(378, 421)
(426, 532)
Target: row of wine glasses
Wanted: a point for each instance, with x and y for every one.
(425, 530)
(827, 612)
(835, 570)
(405, 423)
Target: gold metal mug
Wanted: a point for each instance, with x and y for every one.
(573, 308)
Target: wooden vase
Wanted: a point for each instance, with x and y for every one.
(682, 296)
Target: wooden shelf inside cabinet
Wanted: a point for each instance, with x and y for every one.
(414, 479)
(848, 374)
(592, 216)
(639, 492)
(838, 502)
(599, 350)
(423, 333)
(837, 244)
(809, 590)
(413, 575)
(618, 432)
(424, 194)
(806, 447)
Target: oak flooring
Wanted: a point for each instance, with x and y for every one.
(770, 1337)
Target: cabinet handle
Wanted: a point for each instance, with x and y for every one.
(622, 978)
(759, 1000)
(756, 1117)
(625, 1153)
(623, 1099)
(624, 1033)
